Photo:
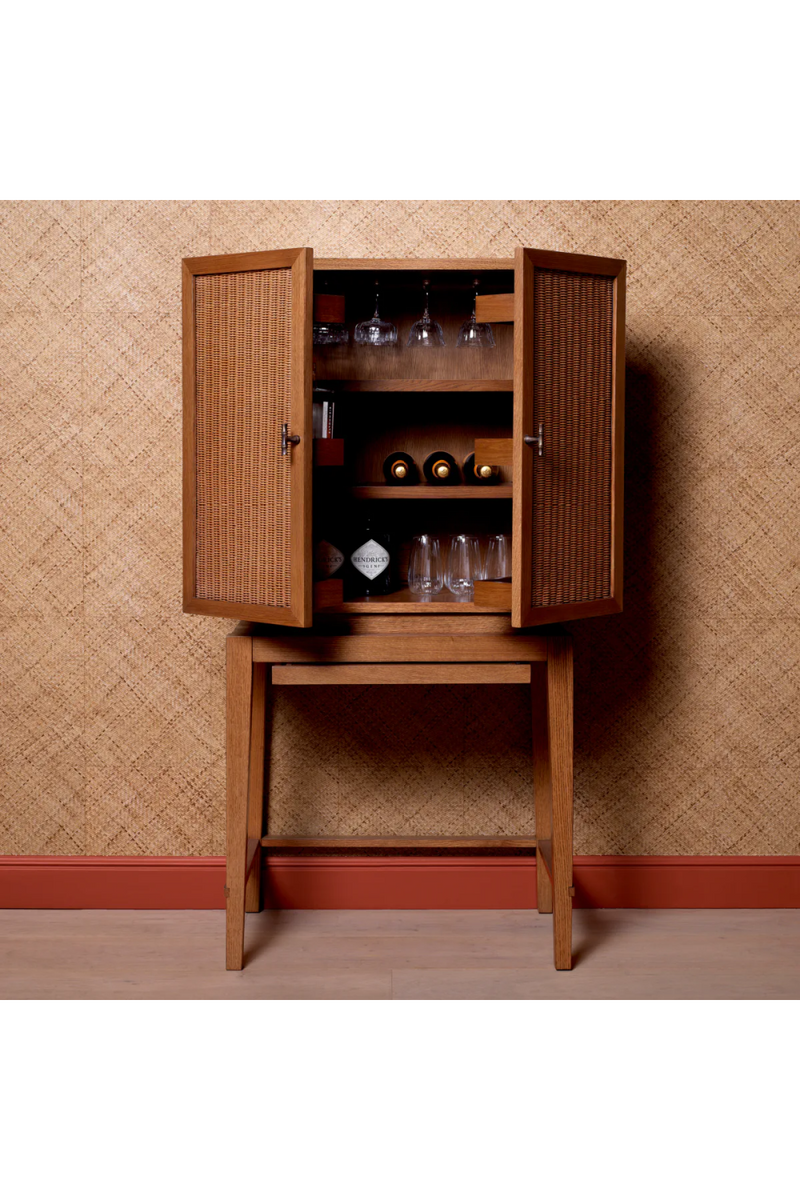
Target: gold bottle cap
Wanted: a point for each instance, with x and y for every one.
(400, 470)
(485, 472)
(442, 469)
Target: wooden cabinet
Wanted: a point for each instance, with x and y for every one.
(545, 403)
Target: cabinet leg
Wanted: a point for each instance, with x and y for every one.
(560, 739)
(238, 718)
(542, 794)
(255, 806)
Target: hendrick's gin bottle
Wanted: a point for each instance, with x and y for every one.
(370, 560)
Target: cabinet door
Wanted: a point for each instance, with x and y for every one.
(247, 367)
(569, 374)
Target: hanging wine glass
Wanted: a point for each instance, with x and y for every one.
(474, 332)
(425, 331)
(375, 332)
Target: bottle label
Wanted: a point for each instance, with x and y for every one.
(327, 559)
(370, 559)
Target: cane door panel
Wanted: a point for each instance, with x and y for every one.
(569, 351)
(247, 490)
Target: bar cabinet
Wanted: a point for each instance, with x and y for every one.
(544, 405)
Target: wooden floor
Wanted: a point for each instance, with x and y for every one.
(620, 954)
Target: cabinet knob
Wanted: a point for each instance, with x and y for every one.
(288, 439)
(536, 441)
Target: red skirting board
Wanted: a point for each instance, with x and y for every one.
(401, 882)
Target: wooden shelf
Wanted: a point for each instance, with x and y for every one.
(497, 491)
(497, 842)
(395, 674)
(418, 385)
(402, 601)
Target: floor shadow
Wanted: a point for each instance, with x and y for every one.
(263, 930)
(590, 932)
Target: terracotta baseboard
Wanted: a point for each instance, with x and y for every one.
(607, 881)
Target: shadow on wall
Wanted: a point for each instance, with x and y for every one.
(457, 760)
(627, 665)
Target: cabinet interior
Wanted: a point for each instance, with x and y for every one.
(394, 398)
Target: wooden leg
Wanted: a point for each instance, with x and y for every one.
(559, 730)
(255, 807)
(542, 795)
(238, 710)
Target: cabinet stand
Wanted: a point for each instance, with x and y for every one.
(256, 661)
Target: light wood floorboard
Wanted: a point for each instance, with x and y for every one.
(620, 954)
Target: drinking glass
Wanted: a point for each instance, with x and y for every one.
(329, 333)
(375, 332)
(473, 332)
(497, 564)
(463, 565)
(425, 567)
(425, 331)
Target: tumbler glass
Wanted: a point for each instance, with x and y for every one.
(463, 565)
(497, 564)
(425, 567)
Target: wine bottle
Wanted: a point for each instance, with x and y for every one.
(483, 473)
(400, 469)
(370, 560)
(441, 469)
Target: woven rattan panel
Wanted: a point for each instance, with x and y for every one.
(112, 701)
(573, 341)
(243, 396)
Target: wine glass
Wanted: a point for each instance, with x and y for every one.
(497, 564)
(375, 332)
(425, 332)
(425, 567)
(463, 565)
(475, 333)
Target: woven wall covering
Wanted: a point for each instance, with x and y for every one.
(111, 701)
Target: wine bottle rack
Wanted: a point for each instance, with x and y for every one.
(499, 491)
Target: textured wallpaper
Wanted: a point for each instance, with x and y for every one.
(111, 701)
